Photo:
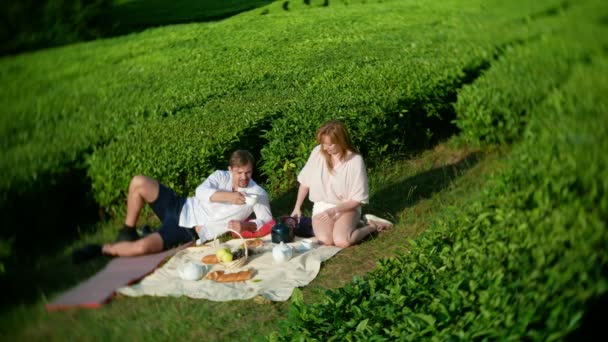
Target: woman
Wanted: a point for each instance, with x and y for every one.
(336, 180)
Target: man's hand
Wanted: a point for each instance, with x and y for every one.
(237, 198)
(240, 226)
(233, 197)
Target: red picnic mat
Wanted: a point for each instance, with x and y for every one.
(101, 287)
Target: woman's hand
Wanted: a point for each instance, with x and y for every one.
(329, 215)
(297, 213)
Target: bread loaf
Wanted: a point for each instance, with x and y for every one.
(222, 277)
(254, 243)
(210, 259)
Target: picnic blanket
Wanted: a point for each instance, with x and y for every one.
(101, 287)
(273, 281)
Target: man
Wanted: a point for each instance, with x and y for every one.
(218, 204)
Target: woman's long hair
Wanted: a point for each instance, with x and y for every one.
(338, 134)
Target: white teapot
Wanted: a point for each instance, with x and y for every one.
(282, 252)
(191, 271)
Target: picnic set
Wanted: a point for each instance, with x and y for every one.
(222, 264)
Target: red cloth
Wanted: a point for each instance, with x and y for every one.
(263, 231)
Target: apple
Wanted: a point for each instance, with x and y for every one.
(224, 255)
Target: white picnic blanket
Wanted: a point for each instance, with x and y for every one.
(273, 281)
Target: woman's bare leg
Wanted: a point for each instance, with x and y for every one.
(323, 230)
(149, 244)
(346, 233)
(142, 190)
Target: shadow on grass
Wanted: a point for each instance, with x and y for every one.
(397, 196)
(136, 15)
(394, 197)
(41, 280)
(33, 25)
(592, 323)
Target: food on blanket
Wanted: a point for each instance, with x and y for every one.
(224, 255)
(232, 277)
(238, 254)
(210, 259)
(223, 277)
(214, 275)
(254, 243)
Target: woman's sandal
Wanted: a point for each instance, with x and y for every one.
(379, 223)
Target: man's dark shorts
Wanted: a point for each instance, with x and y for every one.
(168, 207)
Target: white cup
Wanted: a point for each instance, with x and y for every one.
(251, 199)
(306, 244)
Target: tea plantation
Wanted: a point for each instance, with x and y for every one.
(523, 260)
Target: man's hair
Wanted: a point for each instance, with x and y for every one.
(241, 158)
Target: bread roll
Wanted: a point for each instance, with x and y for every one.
(222, 277)
(210, 259)
(254, 243)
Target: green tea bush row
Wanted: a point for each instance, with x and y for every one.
(521, 261)
(394, 95)
(362, 72)
(31, 24)
(369, 63)
(495, 108)
(180, 150)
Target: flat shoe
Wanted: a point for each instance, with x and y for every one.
(377, 222)
(127, 234)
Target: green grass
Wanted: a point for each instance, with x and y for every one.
(409, 191)
(98, 105)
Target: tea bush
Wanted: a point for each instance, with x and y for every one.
(392, 93)
(521, 261)
(391, 80)
(495, 108)
(27, 24)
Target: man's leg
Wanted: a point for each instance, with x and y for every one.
(142, 190)
(152, 243)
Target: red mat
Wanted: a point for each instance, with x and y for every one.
(100, 288)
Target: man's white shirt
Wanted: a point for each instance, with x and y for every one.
(214, 216)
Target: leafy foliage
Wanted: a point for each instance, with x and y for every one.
(519, 262)
(32, 24)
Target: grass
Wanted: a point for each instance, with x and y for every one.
(411, 191)
(408, 191)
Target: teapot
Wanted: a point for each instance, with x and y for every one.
(282, 252)
(191, 271)
(282, 233)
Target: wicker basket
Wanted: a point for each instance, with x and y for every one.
(235, 263)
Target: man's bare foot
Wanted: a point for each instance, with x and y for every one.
(379, 223)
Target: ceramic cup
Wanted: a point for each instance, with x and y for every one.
(251, 199)
(306, 244)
